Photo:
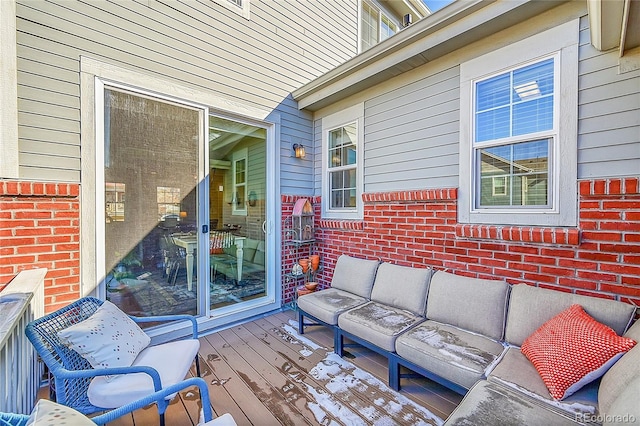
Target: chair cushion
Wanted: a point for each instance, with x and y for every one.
(489, 403)
(516, 371)
(108, 338)
(572, 349)
(473, 304)
(402, 287)
(625, 409)
(172, 361)
(450, 352)
(47, 413)
(354, 275)
(530, 307)
(327, 304)
(377, 323)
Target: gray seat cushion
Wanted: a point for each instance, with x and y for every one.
(377, 323)
(450, 352)
(402, 287)
(326, 305)
(473, 304)
(626, 405)
(530, 307)
(354, 275)
(516, 371)
(489, 403)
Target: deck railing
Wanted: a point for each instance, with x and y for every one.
(21, 301)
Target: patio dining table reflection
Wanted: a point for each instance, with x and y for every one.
(190, 241)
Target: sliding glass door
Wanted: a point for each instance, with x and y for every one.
(237, 212)
(185, 209)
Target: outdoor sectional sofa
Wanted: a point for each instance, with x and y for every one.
(468, 334)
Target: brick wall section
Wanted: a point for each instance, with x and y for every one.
(40, 228)
(419, 228)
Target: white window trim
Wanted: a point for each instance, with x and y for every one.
(240, 209)
(562, 40)
(349, 115)
(243, 10)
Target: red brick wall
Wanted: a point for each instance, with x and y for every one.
(419, 228)
(40, 228)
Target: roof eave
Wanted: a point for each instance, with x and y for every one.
(453, 27)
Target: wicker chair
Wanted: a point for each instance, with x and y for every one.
(10, 419)
(72, 374)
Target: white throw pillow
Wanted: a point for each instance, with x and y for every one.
(47, 413)
(108, 338)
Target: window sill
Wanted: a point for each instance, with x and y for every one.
(525, 234)
(353, 225)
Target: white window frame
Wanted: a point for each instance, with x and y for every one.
(354, 114)
(243, 9)
(561, 41)
(239, 208)
(381, 13)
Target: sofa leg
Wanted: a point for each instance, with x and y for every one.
(338, 342)
(300, 322)
(394, 374)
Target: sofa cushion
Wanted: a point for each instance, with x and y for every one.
(450, 352)
(515, 370)
(490, 403)
(530, 307)
(354, 275)
(402, 287)
(625, 409)
(621, 374)
(377, 323)
(572, 349)
(327, 304)
(473, 304)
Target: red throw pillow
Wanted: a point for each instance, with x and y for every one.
(572, 349)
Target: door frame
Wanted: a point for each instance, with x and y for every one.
(93, 75)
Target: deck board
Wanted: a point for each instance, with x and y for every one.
(264, 373)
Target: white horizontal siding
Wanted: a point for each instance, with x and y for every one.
(200, 44)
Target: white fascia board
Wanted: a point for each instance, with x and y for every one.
(605, 23)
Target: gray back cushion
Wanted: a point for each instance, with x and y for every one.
(402, 287)
(618, 378)
(354, 275)
(473, 304)
(530, 307)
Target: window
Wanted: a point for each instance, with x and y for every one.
(375, 25)
(241, 7)
(509, 107)
(114, 197)
(239, 174)
(168, 202)
(342, 164)
(518, 152)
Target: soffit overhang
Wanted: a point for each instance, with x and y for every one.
(453, 27)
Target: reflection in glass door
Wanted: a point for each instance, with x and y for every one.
(151, 174)
(237, 212)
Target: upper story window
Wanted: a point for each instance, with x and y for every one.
(240, 7)
(342, 164)
(375, 25)
(518, 135)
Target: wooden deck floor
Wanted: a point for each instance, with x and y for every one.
(264, 373)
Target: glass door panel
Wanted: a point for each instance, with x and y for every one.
(151, 215)
(237, 212)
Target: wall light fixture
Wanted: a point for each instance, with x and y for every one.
(298, 149)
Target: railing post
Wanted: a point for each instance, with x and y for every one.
(21, 301)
